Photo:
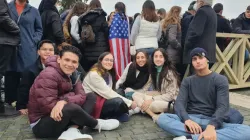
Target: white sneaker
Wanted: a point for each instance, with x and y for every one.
(74, 134)
(109, 124)
(134, 111)
(181, 138)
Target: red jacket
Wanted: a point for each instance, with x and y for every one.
(51, 86)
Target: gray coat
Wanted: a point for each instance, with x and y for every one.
(202, 33)
(174, 43)
(30, 26)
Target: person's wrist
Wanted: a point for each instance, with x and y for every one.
(210, 127)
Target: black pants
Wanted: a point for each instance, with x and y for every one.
(6, 53)
(113, 108)
(12, 81)
(72, 115)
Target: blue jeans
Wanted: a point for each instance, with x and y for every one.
(172, 124)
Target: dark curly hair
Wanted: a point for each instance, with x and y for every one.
(168, 65)
(71, 49)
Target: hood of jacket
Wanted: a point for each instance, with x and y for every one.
(91, 15)
(243, 17)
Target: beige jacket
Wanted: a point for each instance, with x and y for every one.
(168, 92)
(93, 82)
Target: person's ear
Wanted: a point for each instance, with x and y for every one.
(58, 59)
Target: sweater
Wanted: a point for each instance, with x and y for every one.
(207, 95)
(145, 34)
(93, 82)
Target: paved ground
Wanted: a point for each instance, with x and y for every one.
(140, 127)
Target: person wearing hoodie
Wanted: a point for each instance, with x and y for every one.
(241, 25)
(51, 21)
(58, 102)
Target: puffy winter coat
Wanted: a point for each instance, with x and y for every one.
(51, 86)
(97, 19)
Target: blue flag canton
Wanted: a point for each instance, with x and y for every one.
(119, 28)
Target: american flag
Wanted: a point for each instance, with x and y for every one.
(119, 43)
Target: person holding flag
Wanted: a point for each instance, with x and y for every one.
(119, 39)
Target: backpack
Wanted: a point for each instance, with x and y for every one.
(87, 33)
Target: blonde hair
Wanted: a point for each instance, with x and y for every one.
(173, 17)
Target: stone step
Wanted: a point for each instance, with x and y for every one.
(239, 99)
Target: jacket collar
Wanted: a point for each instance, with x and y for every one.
(12, 6)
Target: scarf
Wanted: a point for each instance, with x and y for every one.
(136, 82)
(158, 69)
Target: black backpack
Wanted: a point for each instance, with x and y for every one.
(163, 42)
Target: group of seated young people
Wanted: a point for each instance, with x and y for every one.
(59, 104)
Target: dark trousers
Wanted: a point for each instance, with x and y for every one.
(113, 108)
(12, 81)
(6, 53)
(73, 114)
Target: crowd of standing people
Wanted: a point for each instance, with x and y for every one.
(89, 69)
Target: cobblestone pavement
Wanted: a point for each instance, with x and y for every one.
(140, 127)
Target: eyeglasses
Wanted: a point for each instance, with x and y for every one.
(50, 50)
(110, 60)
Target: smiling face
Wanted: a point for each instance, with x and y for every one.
(159, 58)
(107, 62)
(199, 63)
(68, 62)
(141, 59)
(45, 51)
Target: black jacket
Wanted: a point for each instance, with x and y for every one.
(28, 77)
(223, 25)
(185, 22)
(241, 25)
(97, 19)
(51, 21)
(202, 33)
(9, 30)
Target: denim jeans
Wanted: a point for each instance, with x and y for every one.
(172, 124)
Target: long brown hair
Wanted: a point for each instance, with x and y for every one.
(101, 71)
(167, 66)
(78, 9)
(148, 11)
(173, 17)
(94, 4)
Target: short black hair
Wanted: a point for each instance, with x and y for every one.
(218, 7)
(71, 49)
(45, 41)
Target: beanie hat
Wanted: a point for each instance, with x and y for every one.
(198, 52)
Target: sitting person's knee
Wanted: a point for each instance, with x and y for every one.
(234, 116)
(71, 108)
(118, 101)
